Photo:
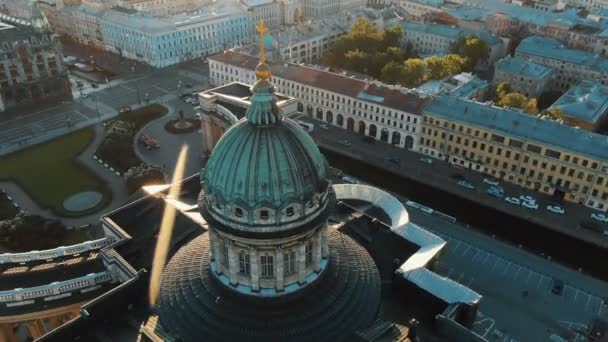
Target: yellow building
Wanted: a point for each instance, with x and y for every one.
(536, 153)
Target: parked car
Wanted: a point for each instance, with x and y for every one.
(394, 160)
(125, 109)
(79, 84)
(197, 115)
(512, 200)
(324, 126)
(465, 184)
(426, 160)
(84, 95)
(530, 205)
(599, 217)
(526, 198)
(350, 180)
(344, 142)
(495, 192)
(490, 181)
(554, 208)
(94, 85)
(558, 287)
(148, 142)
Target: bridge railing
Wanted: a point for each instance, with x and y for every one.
(25, 257)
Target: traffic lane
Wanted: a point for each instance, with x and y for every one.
(440, 174)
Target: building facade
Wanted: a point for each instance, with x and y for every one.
(539, 154)
(387, 113)
(159, 8)
(525, 77)
(570, 66)
(585, 105)
(268, 11)
(315, 9)
(32, 69)
(171, 40)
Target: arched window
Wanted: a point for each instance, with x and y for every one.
(264, 214)
(244, 264)
(225, 259)
(289, 211)
(238, 212)
(289, 263)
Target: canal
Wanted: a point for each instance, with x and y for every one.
(532, 237)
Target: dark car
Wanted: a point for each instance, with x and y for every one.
(558, 287)
(368, 139)
(94, 85)
(394, 160)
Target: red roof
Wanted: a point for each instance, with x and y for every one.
(329, 81)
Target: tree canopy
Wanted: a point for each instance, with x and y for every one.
(472, 48)
(506, 97)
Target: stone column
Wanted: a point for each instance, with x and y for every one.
(279, 270)
(207, 134)
(6, 333)
(255, 269)
(301, 262)
(233, 268)
(33, 330)
(324, 246)
(317, 248)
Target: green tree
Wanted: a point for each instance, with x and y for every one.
(356, 60)
(513, 100)
(142, 175)
(453, 64)
(435, 69)
(554, 112)
(391, 37)
(392, 72)
(366, 35)
(376, 62)
(531, 107)
(503, 89)
(413, 72)
(473, 48)
(394, 54)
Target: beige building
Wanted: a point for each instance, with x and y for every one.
(525, 77)
(268, 11)
(536, 153)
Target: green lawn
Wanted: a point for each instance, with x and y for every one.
(50, 172)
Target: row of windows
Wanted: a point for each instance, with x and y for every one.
(267, 262)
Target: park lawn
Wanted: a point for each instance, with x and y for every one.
(50, 172)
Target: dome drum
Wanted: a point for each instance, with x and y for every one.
(265, 216)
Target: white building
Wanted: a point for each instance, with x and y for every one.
(315, 9)
(525, 77)
(386, 113)
(160, 8)
(310, 42)
(588, 4)
(165, 41)
(267, 10)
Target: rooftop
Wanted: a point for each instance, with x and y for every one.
(521, 126)
(339, 84)
(521, 67)
(553, 49)
(586, 101)
(436, 29)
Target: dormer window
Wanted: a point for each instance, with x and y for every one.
(238, 212)
(264, 214)
(310, 204)
(289, 211)
(218, 206)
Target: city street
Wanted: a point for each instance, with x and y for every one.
(442, 175)
(518, 302)
(101, 104)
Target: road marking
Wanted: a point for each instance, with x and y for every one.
(495, 262)
(506, 268)
(528, 278)
(471, 282)
(486, 259)
(84, 116)
(457, 246)
(475, 255)
(451, 270)
(540, 280)
(466, 250)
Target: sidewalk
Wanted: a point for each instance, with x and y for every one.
(117, 185)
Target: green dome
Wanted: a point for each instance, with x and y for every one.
(265, 170)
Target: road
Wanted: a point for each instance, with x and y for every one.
(516, 285)
(442, 175)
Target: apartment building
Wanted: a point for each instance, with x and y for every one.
(569, 66)
(585, 105)
(315, 9)
(540, 154)
(386, 113)
(525, 77)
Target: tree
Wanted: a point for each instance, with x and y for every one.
(453, 64)
(143, 174)
(531, 107)
(366, 35)
(394, 54)
(473, 48)
(555, 113)
(513, 100)
(356, 60)
(391, 37)
(376, 62)
(435, 69)
(392, 72)
(413, 72)
(503, 89)
(119, 129)
(32, 232)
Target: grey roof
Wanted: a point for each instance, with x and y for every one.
(553, 49)
(521, 126)
(586, 101)
(520, 66)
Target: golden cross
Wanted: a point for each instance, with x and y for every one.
(262, 29)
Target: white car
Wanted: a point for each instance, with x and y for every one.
(599, 217)
(530, 205)
(426, 160)
(324, 126)
(466, 184)
(197, 115)
(84, 95)
(492, 182)
(512, 200)
(527, 198)
(556, 209)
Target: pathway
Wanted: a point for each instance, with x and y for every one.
(116, 184)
